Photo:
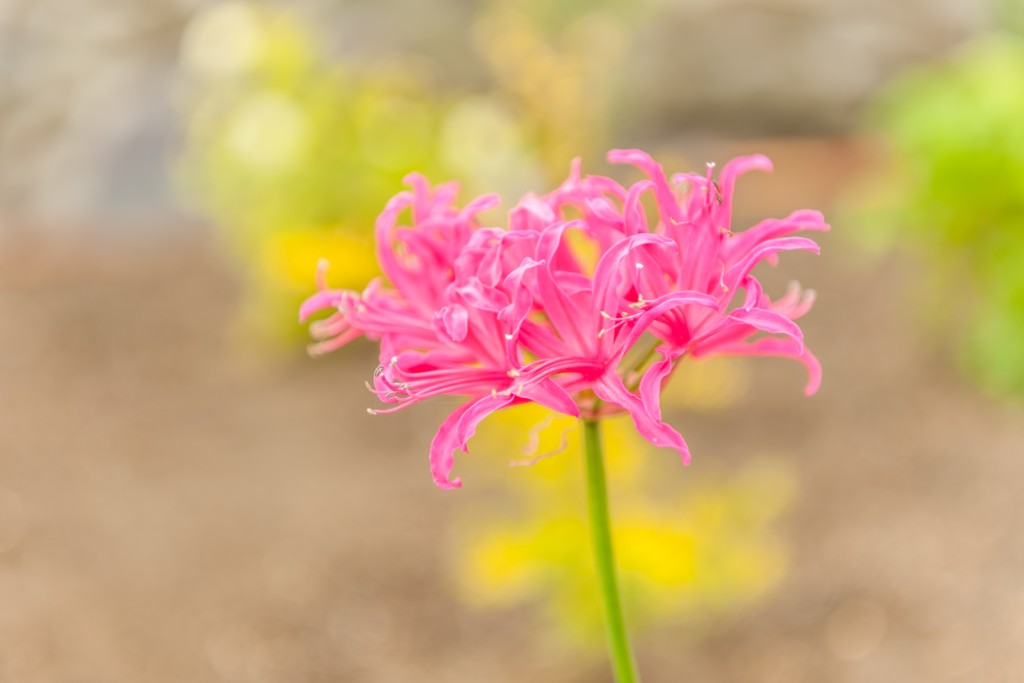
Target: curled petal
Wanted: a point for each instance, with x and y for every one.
(478, 205)
(322, 300)
(739, 271)
(654, 378)
(478, 295)
(667, 203)
(771, 228)
(603, 209)
(772, 346)
(521, 300)
(635, 218)
(795, 303)
(452, 321)
(385, 229)
(732, 170)
(332, 344)
(455, 431)
(549, 394)
(569, 318)
(611, 389)
(531, 213)
(770, 322)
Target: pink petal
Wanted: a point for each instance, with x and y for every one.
(608, 274)
(772, 346)
(727, 179)
(611, 389)
(771, 228)
(453, 321)
(478, 295)
(322, 300)
(654, 378)
(455, 431)
(738, 271)
(666, 199)
(771, 322)
(531, 213)
(795, 303)
(655, 310)
(570, 321)
(385, 247)
(549, 394)
(478, 205)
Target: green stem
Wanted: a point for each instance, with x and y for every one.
(601, 537)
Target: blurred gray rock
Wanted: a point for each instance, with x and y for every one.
(88, 126)
(763, 67)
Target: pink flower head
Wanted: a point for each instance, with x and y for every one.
(507, 316)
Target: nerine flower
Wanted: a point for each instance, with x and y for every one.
(527, 314)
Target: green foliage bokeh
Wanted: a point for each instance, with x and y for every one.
(956, 194)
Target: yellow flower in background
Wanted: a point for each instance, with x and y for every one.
(284, 270)
(689, 555)
(292, 256)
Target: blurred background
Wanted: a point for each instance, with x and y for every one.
(185, 496)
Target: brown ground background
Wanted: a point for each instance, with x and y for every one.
(171, 512)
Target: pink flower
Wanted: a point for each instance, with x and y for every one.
(506, 316)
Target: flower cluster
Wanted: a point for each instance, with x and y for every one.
(529, 314)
